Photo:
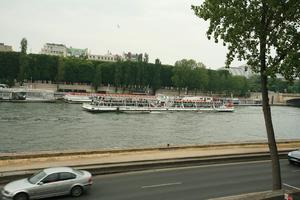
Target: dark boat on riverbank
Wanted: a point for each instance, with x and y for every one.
(26, 95)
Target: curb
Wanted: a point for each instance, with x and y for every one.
(265, 195)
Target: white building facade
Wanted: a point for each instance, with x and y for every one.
(63, 50)
(105, 58)
(54, 49)
(5, 48)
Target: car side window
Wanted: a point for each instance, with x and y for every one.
(50, 178)
(66, 176)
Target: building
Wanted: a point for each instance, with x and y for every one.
(5, 48)
(62, 50)
(243, 70)
(77, 53)
(133, 57)
(54, 49)
(106, 58)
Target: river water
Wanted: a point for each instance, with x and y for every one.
(29, 127)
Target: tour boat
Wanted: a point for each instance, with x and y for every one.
(144, 105)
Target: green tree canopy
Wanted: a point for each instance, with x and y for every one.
(265, 33)
(24, 45)
(97, 79)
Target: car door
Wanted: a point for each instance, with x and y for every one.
(66, 181)
(48, 186)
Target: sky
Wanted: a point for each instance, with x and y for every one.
(165, 29)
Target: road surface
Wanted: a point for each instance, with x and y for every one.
(199, 182)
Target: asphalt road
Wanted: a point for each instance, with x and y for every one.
(189, 183)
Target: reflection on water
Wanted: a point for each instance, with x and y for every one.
(37, 126)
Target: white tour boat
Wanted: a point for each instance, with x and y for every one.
(148, 105)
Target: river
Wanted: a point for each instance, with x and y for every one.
(31, 127)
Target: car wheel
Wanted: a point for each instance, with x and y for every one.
(21, 196)
(76, 191)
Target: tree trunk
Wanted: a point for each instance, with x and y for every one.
(271, 136)
(276, 175)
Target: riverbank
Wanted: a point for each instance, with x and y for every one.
(11, 162)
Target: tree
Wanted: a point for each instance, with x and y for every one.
(156, 79)
(181, 73)
(146, 58)
(23, 61)
(97, 80)
(201, 65)
(166, 74)
(157, 61)
(266, 34)
(9, 67)
(60, 70)
(238, 85)
(140, 57)
(254, 83)
(201, 79)
(117, 77)
(24, 45)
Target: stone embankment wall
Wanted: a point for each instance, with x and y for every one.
(275, 98)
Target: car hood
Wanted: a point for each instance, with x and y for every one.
(295, 154)
(17, 185)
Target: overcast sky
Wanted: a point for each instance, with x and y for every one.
(165, 29)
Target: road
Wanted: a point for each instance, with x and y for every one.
(199, 182)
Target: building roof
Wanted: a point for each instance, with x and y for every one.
(53, 44)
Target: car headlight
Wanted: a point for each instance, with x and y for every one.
(290, 154)
(6, 192)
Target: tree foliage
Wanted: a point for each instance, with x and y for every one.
(238, 24)
(130, 75)
(24, 45)
(97, 80)
(265, 33)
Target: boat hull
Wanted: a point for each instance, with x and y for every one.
(132, 109)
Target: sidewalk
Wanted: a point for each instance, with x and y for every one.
(18, 162)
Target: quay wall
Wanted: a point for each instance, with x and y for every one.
(274, 97)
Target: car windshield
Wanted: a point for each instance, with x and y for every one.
(36, 177)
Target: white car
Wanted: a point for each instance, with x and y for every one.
(48, 183)
(294, 157)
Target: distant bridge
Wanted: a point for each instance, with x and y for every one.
(293, 102)
(289, 99)
(280, 98)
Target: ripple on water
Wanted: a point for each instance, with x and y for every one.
(36, 127)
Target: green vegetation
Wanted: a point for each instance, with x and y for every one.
(265, 33)
(24, 45)
(186, 74)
